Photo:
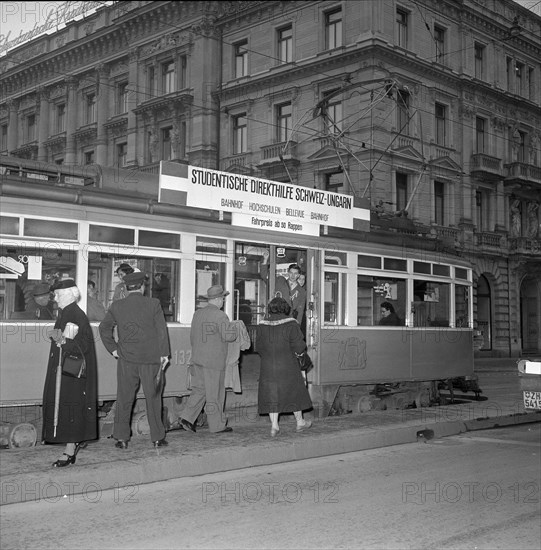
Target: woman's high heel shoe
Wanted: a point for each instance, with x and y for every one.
(60, 463)
(70, 459)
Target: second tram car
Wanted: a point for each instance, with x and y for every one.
(83, 222)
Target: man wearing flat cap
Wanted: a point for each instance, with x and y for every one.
(211, 331)
(42, 307)
(120, 289)
(142, 349)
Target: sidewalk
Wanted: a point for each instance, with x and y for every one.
(26, 474)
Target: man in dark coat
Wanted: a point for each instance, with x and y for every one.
(42, 306)
(210, 334)
(142, 350)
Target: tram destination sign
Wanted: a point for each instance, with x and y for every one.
(260, 203)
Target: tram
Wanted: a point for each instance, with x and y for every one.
(83, 222)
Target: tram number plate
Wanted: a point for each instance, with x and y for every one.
(532, 399)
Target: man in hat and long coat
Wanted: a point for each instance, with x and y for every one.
(211, 331)
(142, 350)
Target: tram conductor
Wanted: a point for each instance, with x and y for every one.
(142, 349)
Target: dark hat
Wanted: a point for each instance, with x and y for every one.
(124, 267)
(135, 278)
(41, 289)
(216, 291)
(65, 283)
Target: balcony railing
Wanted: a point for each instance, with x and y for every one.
(525, 245)
(484, 239)
(273, 153)
(486, 167)
(521, 172)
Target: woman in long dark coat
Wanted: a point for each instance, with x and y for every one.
(281, 384)
(77, 414)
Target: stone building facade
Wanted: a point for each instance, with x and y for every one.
(431, 110)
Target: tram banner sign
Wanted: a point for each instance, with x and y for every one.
(260, 203)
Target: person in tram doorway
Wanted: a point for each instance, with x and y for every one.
(289, 288)
(389, 316)
(211, 332)
(94, 308)
(142, 350)
(70, 403)
(281, 385)
(120, 289)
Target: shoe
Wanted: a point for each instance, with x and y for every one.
(227, 429)
(70, 459)
(161, 443)
(188, 426)
(275, 432)
(121, 444)
(307, 424)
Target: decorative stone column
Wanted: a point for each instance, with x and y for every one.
(133, 72)
(71, 122)
(13, 126)
(103, 93)
(500, 211)
(43, 124)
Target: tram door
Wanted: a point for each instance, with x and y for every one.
(258, 268)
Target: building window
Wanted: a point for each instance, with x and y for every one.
(241, 59)
(481, 209)
(439, 39)
(509, 74)
(531, 84)
(89, 157)
(480, 135)
(240, 134)
(60, 118)
(168, 77)
(90, 108)
(333, 29)
(59, 161)
(441, 120)
(401, 28)
(283, 122)
(122, 98)
(401, 191)
(519, 77)
(121, 154)
(30, 128)
(151, 78)
(402, 111)
(183, 72)
(3, 137)
(334, 116)
(167, 150)
(479, 61)
(520, 145)
(439, 202)
(285, 45)
(334, 181)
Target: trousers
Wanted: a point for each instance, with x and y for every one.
(208, 390)
(129, 376)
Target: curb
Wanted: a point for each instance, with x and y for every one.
(93, 479)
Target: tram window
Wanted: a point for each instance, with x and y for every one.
(421, 267)
(52, 229)
(29, 270)
(394, 264)
(207, 274)
(431, 304)
(162, 279)
(372, 262)
(374, 291)
(336, 258)
(9, 225)
(441, 270)
(334, 298)
(462, 308)
(461, 273)
(107, 234)
(211, 246)
(157, 239)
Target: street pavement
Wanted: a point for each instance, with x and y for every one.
(26, 473)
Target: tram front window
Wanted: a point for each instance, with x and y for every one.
(375, 294)
(28, 272)
(431, 304)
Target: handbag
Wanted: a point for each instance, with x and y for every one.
(74, 364)
(305, 363)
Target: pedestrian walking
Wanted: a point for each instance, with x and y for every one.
(69, 402)
(211, 330)
(281, 385)
(142, 350)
